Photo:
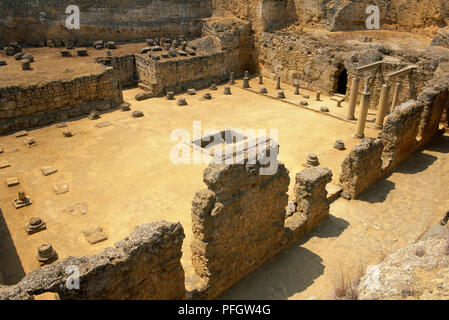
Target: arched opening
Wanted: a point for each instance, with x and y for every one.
(342, 82)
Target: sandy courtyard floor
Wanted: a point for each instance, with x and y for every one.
(122, 171)
(393, 213)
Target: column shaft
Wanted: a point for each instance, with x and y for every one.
(382, 109)
(353, 98)
(361, 121)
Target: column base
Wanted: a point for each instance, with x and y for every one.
(350, 118)
(378, 127)
(359, 136)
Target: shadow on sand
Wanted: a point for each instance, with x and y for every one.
(10, 266)
(291, 271)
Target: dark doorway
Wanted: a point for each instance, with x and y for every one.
(342, 82)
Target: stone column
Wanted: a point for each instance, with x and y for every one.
(382, 109)
(260, 79)
(412, 86)
(231, 79)
(297, 89)
(278, 83)
(353, 98)
(361, 121)
(397, 88)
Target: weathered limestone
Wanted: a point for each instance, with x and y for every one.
(311, 195)
(361, 168)
(361, 121)
(278, 83)
(339, 145)
(231, 79)
(310, 205)
(125, 106)
(35, 225)
(353, 98)
(397, 89)
(312, 160)
(48, 170)
(170, 95)
(12, 182)
(94, 235)
(137, 114)
(182, 102)
(46, 254)
(81, 52)
(238, 223)
(297, 89)
(383, 105)
(22, 200)
(144, 266)
(26, 65)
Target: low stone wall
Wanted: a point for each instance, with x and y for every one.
(124, 68)
(361, 168)
(238, 223)
(23, 107)
(179, 75)
(146, 265)
(224, 48)
(310, 203)
(409, 127)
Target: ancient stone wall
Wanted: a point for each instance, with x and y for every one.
(361, 168)
(124, 68)
(400, 132)
(238, 223)
(316, 64)
(341, 15)
(225, 48)
(410, 126)
(23, 107)
(146, 265)
(119, 20)
(240, 220)
(180, 75)
(311, 206)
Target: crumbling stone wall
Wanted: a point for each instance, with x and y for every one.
(409, 127)
(240, 220)
(238, 223)
(124, 68)
(400, 132)
(340, 15)
(118, 20)
(361, 168)
(22, 107)
(225, 48)
(179, 75)
(146, 265)
(310, 203)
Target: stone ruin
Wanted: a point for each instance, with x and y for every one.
(240, 219)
